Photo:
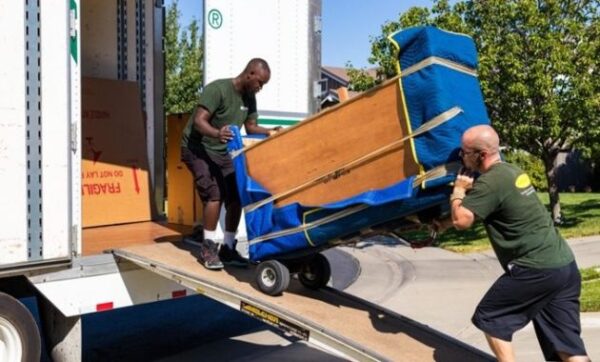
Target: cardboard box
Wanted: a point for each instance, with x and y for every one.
(114, 169)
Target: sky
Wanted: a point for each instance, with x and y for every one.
(347, 25)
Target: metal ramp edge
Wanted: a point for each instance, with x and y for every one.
(282, 319)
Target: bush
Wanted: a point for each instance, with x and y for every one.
(533, 166)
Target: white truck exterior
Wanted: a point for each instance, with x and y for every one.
(34, 185)
(48, 46)
(287, 34)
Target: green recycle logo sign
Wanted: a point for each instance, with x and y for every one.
(215, 19)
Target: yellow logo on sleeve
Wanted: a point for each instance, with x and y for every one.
(522, 181)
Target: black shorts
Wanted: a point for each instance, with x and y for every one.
(214, 175)
(549, 297)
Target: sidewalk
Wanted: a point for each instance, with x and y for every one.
(441, 289)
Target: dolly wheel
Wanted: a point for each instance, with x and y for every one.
(272, 277)
(315, 274)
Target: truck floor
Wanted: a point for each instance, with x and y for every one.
(98, 239)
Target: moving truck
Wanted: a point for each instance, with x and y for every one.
(55, 54)
(48, 47)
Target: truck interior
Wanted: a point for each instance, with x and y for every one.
(123, 149)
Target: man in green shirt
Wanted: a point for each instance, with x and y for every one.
(541, 282)
(222, 103)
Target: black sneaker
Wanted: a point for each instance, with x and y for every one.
(209, 255)
(230, 256)
(195, 238)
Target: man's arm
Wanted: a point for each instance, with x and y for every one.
(202, 125)
(462, 218)
(252, 127)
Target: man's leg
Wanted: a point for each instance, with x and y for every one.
(208, 189)
(509, 304)
(210, 216)
(228, 253)
(558, 325)
(502, 349)
(233, 215)
(568, 358)
(208, 247)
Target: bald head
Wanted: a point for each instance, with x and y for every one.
(481, 138)
(255, 64)
(480, 148)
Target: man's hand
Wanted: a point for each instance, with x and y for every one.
(274, 130)
(462, 218)
(464, 179)
(225, 135)
(463, 183)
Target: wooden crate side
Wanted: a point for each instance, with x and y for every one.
(184, 206)
(332, 139)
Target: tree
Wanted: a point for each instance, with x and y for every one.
(361, 80)
(538, 67)
(383, 52)
(183, 63)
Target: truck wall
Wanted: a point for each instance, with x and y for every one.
(285, 33)
(36, 157)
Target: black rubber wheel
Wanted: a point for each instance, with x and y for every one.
(19, 335)
(315, 273)
(272, 277)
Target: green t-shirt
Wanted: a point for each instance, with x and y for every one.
(518, 225)
(226, 107)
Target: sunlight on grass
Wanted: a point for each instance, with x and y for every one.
(581, 213)
(590, 289)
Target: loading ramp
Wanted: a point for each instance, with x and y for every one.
(328, 318)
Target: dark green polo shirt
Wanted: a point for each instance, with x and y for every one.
(227, 107)
(519, 226)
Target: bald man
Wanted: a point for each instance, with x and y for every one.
(541, 282)
(223, 103)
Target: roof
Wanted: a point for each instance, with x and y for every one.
(341, 73)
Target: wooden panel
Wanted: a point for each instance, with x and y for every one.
(332, 139)
(184, 205)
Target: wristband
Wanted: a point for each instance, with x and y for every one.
(457, 194)
(454, 197)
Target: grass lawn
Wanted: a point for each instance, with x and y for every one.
(581, 212)
(590, 289)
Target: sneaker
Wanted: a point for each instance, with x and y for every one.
(230, 256)
(209, 255)
(195, 238)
